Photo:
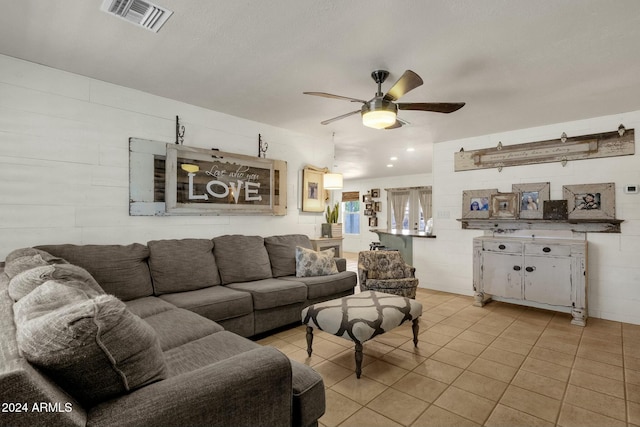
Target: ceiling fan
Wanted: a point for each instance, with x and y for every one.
(381, 111)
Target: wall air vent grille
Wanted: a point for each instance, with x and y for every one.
(138, 12)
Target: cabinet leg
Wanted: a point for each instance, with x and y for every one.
(579, 317)
(481, 299)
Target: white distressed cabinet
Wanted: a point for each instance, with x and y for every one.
(551, 273)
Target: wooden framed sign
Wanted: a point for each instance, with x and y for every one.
(170, 179)
(207, 182)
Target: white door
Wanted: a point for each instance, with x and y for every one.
(547, 280)
(502, 274)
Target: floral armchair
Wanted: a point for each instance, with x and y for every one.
(386, 271)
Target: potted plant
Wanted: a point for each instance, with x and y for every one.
(334, 228)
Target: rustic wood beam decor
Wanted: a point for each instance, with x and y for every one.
(620, 142)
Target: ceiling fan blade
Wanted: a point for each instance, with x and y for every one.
(408, 81)
(326, 122)
(328, 95)
(437, 107)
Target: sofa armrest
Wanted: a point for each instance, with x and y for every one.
(341, 263)
(250, 389)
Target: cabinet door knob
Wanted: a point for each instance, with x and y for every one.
(502, 247)
(516, 267)
(530, 269)
(546, 249)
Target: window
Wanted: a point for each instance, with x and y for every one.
(351, 217)
(351, 212)
(408, 208)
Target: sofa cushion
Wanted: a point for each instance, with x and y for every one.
(215, 303)
(311, 263)
(25, 282)
(270, 293)
(182, 265)
(282, 252)
(95, 349)
(24, 259)
(178, 326)
(120, 270)
(326, 286)
(148, 306)
(241, 258)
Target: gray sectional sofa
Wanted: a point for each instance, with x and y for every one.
(155, 334)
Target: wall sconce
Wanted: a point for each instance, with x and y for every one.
(332, 181)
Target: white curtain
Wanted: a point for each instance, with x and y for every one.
(425, 201)
(399, 201)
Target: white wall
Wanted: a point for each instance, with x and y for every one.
(356, 243)
(614, 270)
(64, 161)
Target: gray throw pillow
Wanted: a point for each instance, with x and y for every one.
(25, 282)
(27, 258)
(50, 296)
(311, 263)
(95, 349)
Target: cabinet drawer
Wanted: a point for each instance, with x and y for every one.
(502, 246)
(551, 250)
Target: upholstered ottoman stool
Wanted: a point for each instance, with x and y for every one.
(361, 317)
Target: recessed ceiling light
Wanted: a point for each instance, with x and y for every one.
(389, 165)
(411, 149)
(393, 158)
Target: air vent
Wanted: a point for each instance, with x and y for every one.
(138, 12)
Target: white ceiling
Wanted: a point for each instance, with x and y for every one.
(516, 63)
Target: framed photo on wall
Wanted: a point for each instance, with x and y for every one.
(476, 203)
(590, 201)
(373, 221)
(312, 191)
(505, 205)
(532, 198)
(375, 193)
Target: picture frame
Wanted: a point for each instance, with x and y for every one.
(368, 206)
(378, 206)
(375, 193)
(476, 203)
(368, 212)
(532, 198)
(505, 205)
(312, 191)
(590, 201)
(373, 221)
(366, 198)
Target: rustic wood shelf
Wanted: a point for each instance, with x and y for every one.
(578, 225)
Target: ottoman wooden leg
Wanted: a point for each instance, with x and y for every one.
(416, 328)
(309, 339)
(358, 359)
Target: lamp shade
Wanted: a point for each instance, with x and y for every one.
(379, 119)
(332, 181)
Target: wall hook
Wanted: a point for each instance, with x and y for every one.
(621, 129)
(563, 137)
(263, 146)
(179, 132)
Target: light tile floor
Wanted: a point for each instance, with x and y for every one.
(499, 365)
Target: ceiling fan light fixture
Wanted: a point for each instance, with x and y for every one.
(379, 114)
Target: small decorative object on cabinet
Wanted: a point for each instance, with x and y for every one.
(545, 273)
